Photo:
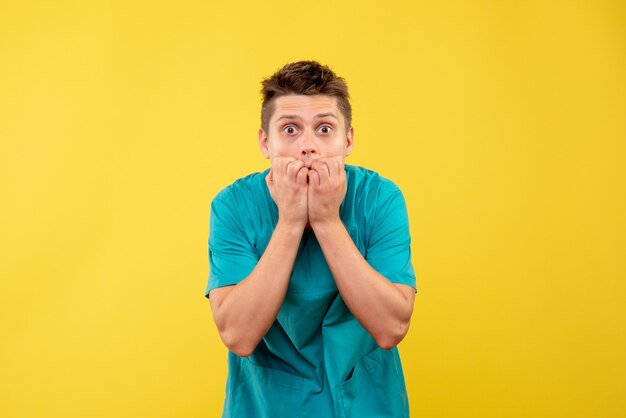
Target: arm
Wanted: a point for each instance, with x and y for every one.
(244, 312)
(383, 308)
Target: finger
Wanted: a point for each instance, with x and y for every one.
(340, 165)
(333, 167)
(293, 168)
(303, 176)
(280, 165)
(322, 170)
(314, 178)
(321, 167)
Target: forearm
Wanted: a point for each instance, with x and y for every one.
(249, 309)
(379, 306)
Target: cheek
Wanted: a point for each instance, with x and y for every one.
(275, 145)
(283, 149)
(337, 147)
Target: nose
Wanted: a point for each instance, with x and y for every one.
(308, 146)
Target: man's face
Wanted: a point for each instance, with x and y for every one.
(306, 128)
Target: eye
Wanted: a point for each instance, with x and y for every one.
(289, 129)
(326, 129)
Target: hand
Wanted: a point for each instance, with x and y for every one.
(327, 188)
(287, 183)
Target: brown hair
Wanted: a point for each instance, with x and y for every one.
(308, 78)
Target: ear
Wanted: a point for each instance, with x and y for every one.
(349, 141)
(263, 144)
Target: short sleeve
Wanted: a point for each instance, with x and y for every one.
(389, 248)
(231, 256)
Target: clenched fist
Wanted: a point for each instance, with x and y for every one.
(327, 188)
(287, 181)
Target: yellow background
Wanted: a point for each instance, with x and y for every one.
(504, 123)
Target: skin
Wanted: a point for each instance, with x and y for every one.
(307, 143)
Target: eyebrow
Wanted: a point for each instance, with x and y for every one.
(288, 117)
(319, 116)
(323, 115)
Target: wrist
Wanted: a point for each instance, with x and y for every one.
(289, 226)
(321, 225)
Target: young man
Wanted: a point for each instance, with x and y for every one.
(311, 283)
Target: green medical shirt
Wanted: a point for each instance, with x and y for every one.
(316, 360)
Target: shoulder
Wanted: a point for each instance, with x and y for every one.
(370, 197)
(242, 190)
(370, 182)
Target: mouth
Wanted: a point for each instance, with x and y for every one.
(308, 163)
